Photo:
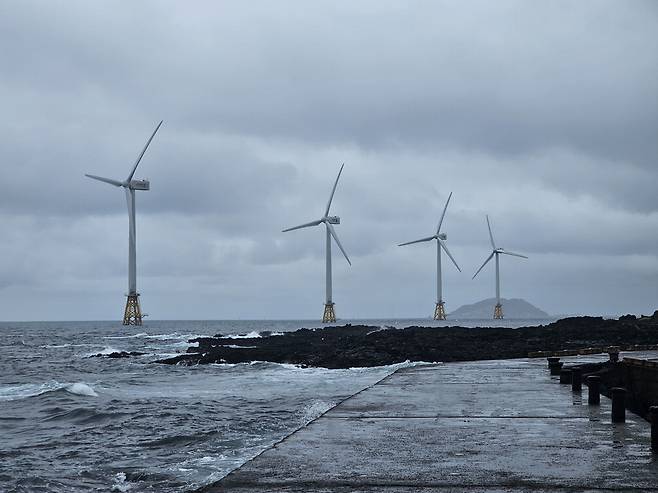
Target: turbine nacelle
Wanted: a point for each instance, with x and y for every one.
(333, 219)
(443, 236)
(140, 185)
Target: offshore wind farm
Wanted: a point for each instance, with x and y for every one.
(385, 343)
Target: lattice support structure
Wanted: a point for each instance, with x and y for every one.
(329, 313)
(440, 311)
(133, 313)
(498, 312)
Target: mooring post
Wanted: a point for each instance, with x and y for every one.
(594, 390)
(613, 354)
(552, 360)
(556, 368)
(653, 415)
(565, 375)
(618, 404)
(576, 379)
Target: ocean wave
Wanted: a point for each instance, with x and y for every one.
(16, 392)
(120, 483)
(104, 352)
(250, 335)
(174, 336)
(132, 336)
(60, 346)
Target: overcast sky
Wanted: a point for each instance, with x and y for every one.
(542, 114)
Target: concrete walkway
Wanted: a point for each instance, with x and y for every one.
(500, 426)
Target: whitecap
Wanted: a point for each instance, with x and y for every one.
(80, 388)
(132, 336)
(104, 352)
(251, 335)
(120, 482)
(24, 391)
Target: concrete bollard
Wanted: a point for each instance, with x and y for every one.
(653, 416)
(556, 368)
(594, 390)
(618, 404)
(565, 376)
(552, 360)
(576, 379)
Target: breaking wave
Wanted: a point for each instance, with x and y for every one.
(16, 392)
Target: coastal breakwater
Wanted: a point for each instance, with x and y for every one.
(364, 346)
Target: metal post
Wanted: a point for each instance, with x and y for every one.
(576, 379)
(653, 415)
(618, 405)
(556, 368)
(565, 376)
(594, 390)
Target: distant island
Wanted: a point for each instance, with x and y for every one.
(514, 308)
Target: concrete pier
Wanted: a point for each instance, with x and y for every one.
(503, 426)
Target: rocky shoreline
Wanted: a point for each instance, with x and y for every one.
(362, 346)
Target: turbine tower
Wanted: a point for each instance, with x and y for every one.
(132, 315)
(329, 313)
(439, 309)
(498, 310)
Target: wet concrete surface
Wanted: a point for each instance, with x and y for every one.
(503, 426)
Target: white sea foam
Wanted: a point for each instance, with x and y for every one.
(60, 346)
(174, 336)
(315, 409)
(105, 351)
(251, 335)
(16, 392)
(120, 483)
(132, 336)
(80, 388)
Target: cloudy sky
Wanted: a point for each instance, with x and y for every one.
(542, 114)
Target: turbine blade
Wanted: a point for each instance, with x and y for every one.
(116, 183)
(485, 263)
(333, 233)
(132, 173)
(493, 244)
(417, 241)
(305, 225)
(438, 228)
(445, 249)
(513, 254)
(333, 190)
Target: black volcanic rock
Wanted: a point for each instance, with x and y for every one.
(358, 345)
(118, 354)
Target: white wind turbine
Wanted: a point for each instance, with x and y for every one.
(439, 310)
(329, 313)
(498, 310)
(132, 314)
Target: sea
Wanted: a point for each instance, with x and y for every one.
(72, 419)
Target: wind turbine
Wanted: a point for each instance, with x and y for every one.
(498, 310)
(132, 315)
(329, 313)
(439, 310)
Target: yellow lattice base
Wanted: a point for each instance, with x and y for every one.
(133, 313)
(329, 313)
(440, 311)
(498, 312)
